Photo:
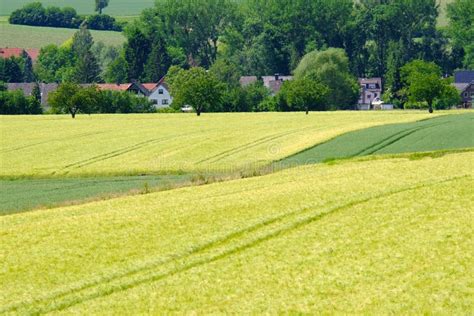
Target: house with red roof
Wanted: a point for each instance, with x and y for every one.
(7, 52)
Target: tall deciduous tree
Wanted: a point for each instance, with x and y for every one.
(198, 88)
(461, 28)
(100, 5)
(424, 83)
(331, 68)
(305, 94)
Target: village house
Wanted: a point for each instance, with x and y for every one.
(159, 93)
(370, 92)
(272, 83)
(27, 88)
(134, 87)
(464, 83)
(33, 53)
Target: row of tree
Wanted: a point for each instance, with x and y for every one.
(36, 15)
(322, 82)
(15, 102)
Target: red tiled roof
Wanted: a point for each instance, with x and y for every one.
(114, 86)
(150, 86)
(34, 53)
(16, 52)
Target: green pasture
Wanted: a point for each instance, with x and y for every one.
(359, 237)
(37, 37)
(440, 133)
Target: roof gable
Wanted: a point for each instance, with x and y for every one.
(464, 76)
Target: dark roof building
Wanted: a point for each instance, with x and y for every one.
(247, 80)
(464, 76)
(27, 88)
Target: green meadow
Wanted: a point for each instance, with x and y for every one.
(440, 133)
(37, 37)
(116, 7)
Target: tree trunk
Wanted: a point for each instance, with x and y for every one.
(307, 111)
(100, 10)
(73, 114)
(430, 107)
(198, 112)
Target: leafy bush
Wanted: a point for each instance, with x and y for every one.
(15, 102)
(36, 15)
(103, 22)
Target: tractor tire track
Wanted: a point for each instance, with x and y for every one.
(8, 150)
(250, 145)
(116, 153)
(244, 239)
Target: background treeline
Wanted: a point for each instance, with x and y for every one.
(36, 15)
(325, 44)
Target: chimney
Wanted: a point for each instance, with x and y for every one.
(277, 77)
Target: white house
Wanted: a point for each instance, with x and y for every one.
(159, 94)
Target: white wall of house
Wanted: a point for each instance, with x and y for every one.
(161, 97)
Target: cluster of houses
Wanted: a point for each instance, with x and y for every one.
(159, 93)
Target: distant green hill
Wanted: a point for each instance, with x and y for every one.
(37, 37)
(116, 7)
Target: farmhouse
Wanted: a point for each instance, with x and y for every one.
(464, 83)
(370, 91)
(133, 87)
(273, 83)
(159, 93)
(33, 53)
(27, 88)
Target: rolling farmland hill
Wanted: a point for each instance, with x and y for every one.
(440, 133)
(435, 134)
(116, 7)
(37, 37)
(104, 145)
(382, 236)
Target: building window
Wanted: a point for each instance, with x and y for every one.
(372, 86)
(164, 102)
(160, 91)
(154, 101)
(465, 94)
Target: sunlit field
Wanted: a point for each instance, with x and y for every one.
(98, 145)
(390, 235)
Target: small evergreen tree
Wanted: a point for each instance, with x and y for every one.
(87, 69)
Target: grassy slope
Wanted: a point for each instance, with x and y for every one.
(25, 194)
(441, 133)
(389, 235)
(116, 7)
(101, 145)
(37, 37)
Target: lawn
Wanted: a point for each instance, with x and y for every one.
(116, 7)
(37, 37)
(106, 145)
(440, 133)
(370, 237)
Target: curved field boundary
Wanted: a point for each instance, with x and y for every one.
(198, 255)
(440, 133)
